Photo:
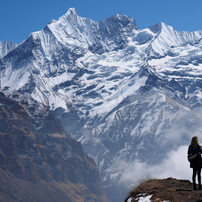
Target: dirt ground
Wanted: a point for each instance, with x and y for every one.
(169, 189)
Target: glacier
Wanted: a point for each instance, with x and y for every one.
(123, 92)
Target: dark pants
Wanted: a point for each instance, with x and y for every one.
(198, 172)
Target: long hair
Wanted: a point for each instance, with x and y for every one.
(194, 141)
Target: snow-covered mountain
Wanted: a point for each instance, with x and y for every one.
(119, 90)
(6, 47)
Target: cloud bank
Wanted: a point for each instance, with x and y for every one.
(174, 165)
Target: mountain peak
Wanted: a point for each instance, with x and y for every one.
(158, 27)
(71, 11)
(123, 20)
(71, 14)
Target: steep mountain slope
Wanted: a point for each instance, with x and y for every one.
(38, 161)
(119, 90)
(6, 47)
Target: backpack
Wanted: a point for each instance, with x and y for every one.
(191, 157)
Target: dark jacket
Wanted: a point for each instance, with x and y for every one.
(197, 162)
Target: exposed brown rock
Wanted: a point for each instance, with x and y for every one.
(39, 161)
(14, 189)
(169, 189)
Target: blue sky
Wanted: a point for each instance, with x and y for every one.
(19, 18)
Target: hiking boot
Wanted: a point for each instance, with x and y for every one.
(194, 188)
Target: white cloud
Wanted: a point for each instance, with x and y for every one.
(174, 165)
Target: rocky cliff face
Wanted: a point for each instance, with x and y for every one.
(38, 160)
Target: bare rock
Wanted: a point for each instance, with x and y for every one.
(169, 189)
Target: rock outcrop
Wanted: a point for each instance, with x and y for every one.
(169, 189)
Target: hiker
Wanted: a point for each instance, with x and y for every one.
(194, 157)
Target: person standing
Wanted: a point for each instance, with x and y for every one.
(194, 156)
